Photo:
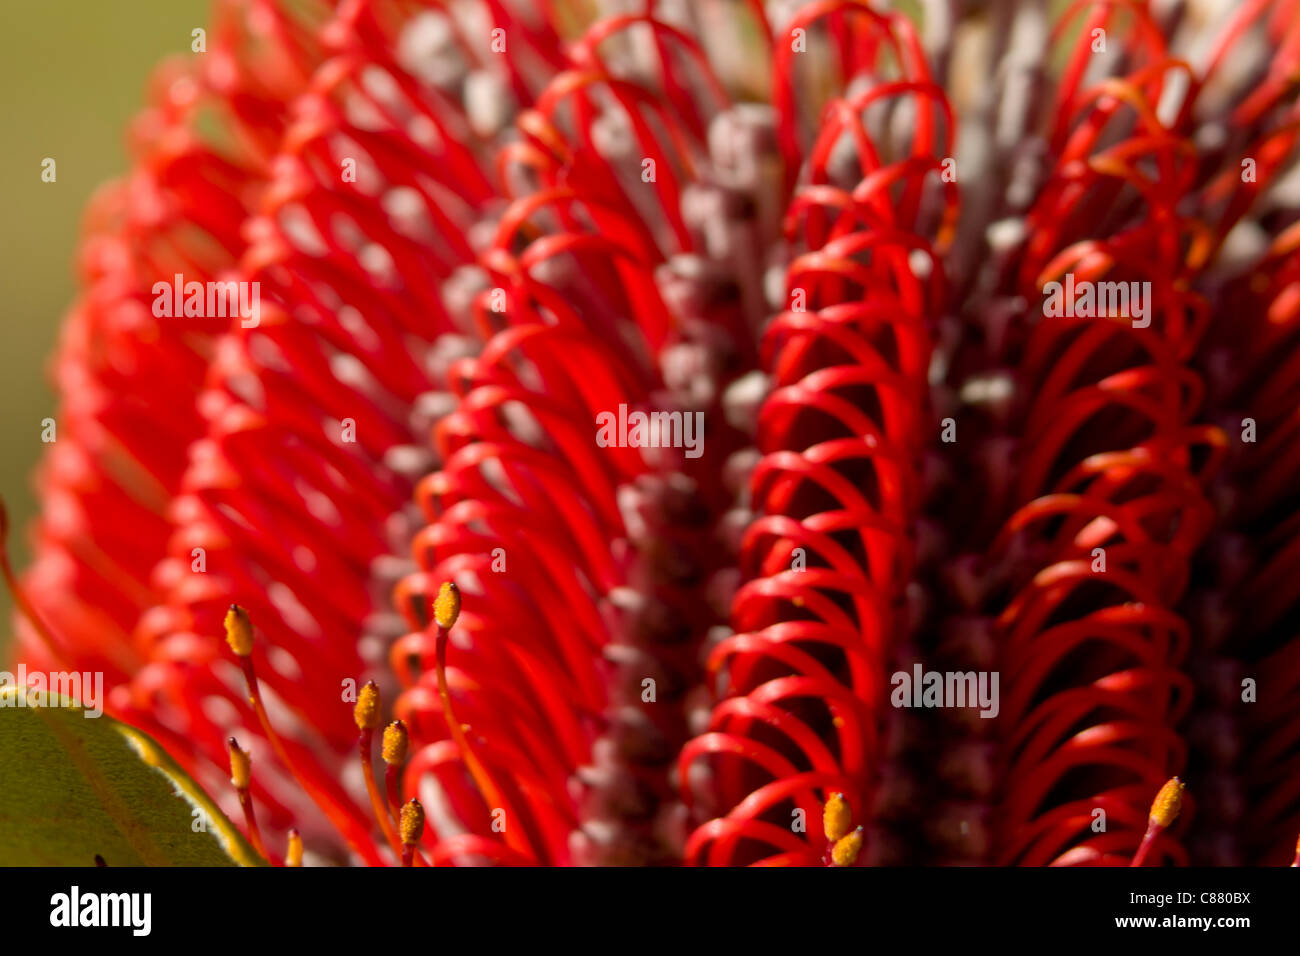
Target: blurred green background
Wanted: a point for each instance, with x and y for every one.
(72, 74)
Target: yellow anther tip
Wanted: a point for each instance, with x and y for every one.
(411, 822)
(1165, 807)
(294, 856)
(837, 819)
(395, 741)
(239, 631)
(446, 607)
(366, 711)
(241, 769)
(846, 849)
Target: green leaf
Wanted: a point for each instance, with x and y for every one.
(74, 786)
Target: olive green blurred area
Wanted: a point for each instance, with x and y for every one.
(72, 74)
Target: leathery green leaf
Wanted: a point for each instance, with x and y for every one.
(73, 787)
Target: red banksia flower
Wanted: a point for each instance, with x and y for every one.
(657, 425)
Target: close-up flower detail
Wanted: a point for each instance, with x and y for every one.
(652, 412)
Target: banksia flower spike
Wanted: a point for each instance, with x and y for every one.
(127, 374)
(664, 424)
